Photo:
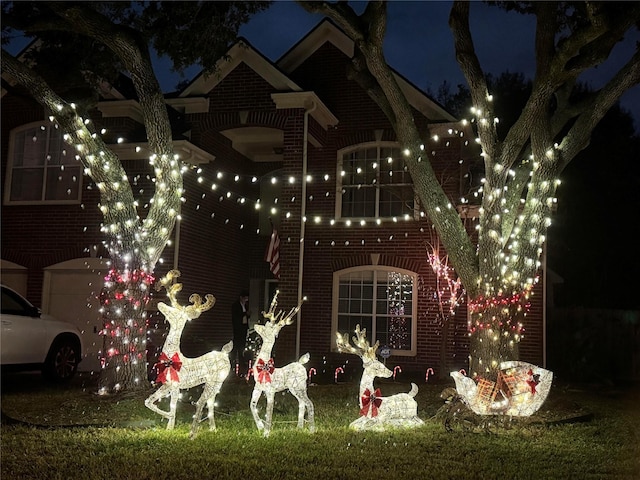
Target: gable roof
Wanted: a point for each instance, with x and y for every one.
(240, 52)
(327, 31)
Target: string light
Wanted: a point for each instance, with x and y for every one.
(377, 412)
(270, 380)
(176, 371)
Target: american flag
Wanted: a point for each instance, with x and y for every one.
(272, 254)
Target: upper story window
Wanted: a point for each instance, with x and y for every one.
(381, 299)
(374, 182)
(41, 167)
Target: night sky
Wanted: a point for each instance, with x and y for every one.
(419, 43)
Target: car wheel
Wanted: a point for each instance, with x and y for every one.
(62, 362)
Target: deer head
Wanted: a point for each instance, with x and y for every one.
(176, 314)
(275, 321)
(364, 350)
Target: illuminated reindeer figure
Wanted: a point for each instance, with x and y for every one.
(177, 372)
(270, 380)
(376, 412)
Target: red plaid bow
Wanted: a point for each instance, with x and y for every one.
(265, 370)
(371, 401)
(168, 366)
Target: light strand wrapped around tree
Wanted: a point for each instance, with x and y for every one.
(521, 168)
(121, 34)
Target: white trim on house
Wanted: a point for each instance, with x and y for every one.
(121, 108)
(188, 152)
(306, 100)
(325, 32)
(239, 53)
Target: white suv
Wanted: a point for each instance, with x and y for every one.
(31, 340)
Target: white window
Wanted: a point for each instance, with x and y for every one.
(42, 168)
(374, 182)
(381, 299)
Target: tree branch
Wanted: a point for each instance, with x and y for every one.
(578, 136)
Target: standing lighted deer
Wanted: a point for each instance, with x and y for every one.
(177, 372)
(376, 411)
(270, 380)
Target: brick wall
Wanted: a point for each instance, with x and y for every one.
(219, 248)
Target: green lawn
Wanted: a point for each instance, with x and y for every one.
(70, 433)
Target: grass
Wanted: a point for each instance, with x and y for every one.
(64, 433)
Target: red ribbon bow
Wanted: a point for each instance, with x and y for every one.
(370, 401)
(532, 381)
(265, 370)
(168, 366)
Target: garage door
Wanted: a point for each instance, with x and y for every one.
(70, 293)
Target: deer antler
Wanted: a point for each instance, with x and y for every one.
(168, 282)
(361, 348)
(280, 318)
(197, 307)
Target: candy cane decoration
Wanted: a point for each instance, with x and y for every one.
(312, 372)
(249, 372)
(338, 370)
(396, 369)
(429, 371)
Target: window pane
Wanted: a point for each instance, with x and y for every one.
(57, 153)
(392, 319)
(382, 334)
(30, 147)
(376, 183)
(400, 333)
(62, 184)
(396, 201)
(394, 171)
(26, 184)
(359, 201)
(348, 323)
(354, 306)
(41, 168)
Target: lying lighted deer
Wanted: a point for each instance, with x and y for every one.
(377, 412)
(270, 380)
(177, 372)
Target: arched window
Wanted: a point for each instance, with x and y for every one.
(374, 182)
(42, 168)
(381, 299)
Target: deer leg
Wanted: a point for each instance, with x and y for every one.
(175, 393)
(211, 400)
(255, 396)
(204, 398)
(270, 399)
(304, 403)
(150, 402)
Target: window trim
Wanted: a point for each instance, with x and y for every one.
(338, 206)
(414, 308)
(10, 167)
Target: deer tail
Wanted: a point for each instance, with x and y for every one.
(414, 390)
(228, 347)
(304, 358)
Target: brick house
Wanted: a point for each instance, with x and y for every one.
(306, 141)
